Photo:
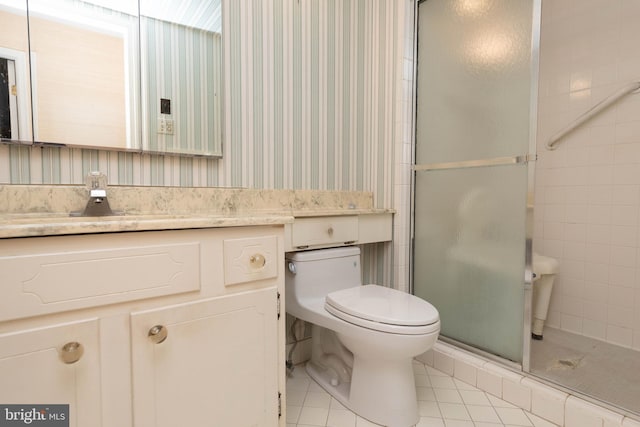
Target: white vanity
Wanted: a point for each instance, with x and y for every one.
(156, 320)
(154, 328)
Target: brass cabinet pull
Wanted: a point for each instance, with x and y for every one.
(71, 352)
(158, 334)
(330, 231)
(257, 261)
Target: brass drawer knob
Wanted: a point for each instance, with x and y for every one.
(257, 261)
(158, 334)
(71, 352)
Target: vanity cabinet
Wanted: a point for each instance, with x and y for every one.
(327, 231)
(157, 328)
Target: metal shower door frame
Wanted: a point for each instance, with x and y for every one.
(528, 159)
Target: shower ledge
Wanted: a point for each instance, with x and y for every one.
(550, 402)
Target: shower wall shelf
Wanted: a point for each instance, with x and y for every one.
(593, 111)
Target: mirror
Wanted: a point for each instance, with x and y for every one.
(100, 76)
(84, 72)
(15, 97)
(181, 73)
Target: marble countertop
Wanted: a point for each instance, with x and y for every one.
(27, 211)
(51, 225)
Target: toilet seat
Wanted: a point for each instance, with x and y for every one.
(383, 309)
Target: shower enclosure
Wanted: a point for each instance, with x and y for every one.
(479, 113)
(475, 105)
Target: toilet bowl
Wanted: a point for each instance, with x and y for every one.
(544, 269)
(364, 338)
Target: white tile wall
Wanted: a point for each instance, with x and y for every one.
(403, 155)
(587, 201)
(579, 413)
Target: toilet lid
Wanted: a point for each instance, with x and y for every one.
(383, 305)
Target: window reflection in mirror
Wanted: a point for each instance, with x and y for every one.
(181, 71)
(15, 98)
(84, 70)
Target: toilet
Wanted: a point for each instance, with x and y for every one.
(544, 270)
(364, 338)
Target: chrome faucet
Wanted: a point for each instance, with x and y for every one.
(97, 205)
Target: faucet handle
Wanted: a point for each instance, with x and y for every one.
(96, 182)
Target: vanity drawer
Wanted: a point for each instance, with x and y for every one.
(54, 274)
(250, 259)
(329, 230)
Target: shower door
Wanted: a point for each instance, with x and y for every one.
(476, 86)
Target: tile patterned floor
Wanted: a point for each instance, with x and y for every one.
(443, 401)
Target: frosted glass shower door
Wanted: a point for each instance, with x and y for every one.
(473, 114)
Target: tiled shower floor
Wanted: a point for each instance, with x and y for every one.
(608, 372)
(443, 402)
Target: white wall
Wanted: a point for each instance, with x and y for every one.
(588, 190)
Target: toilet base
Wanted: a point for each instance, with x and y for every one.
(385, 391)
(386, 397)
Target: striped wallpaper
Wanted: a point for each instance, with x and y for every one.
(312, 100)
(310, 94)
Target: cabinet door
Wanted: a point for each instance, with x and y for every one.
(33, 369)
(218, 365)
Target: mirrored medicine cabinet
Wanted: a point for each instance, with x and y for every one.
(112, 74)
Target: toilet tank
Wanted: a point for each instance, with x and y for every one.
(322, 271)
